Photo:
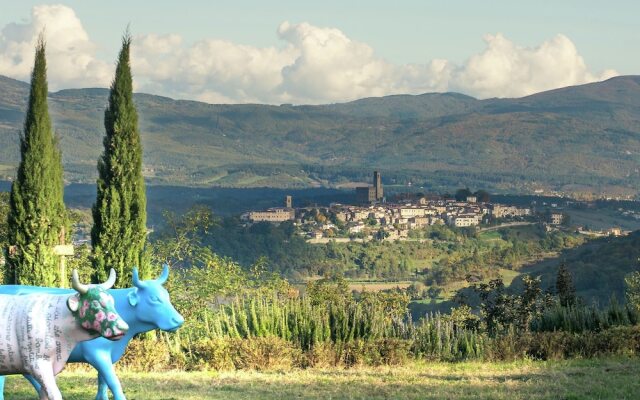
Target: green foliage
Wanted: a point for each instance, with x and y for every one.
(598, 268)
(462, 256)
(333, 290)
(564, 287)
(285, 251)
(619, 341)
(501, 311)
(180, 241)
(4, 230)
(4, 215)
(450, 255)
(251, 319)
(307, 323)
(583, 318)
(632, 292)
(119, 214)
(37, 218)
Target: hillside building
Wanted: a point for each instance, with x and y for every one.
(273, 215)
(502, 211)
(371, 194)
(555, 218)
(366, 194)
(410, 212)
(464, 220)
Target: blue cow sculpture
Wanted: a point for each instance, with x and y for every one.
(144, 307)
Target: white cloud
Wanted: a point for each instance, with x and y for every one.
(330, 66)
(320, 65)
(209, 69)
(70, 53)
(312, 65)
(506, 70)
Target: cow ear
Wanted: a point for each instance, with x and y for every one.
(133, 297)
(73, 302)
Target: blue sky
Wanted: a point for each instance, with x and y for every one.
(396, 44)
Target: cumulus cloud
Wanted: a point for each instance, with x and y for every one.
(314, 65)
(320, 65)
(209, 70)
(70, 54)
(329, 65)
(506, 70)
(311, 65)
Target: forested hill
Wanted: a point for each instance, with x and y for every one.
(581, 138)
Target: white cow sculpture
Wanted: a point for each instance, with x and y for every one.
(39, 331)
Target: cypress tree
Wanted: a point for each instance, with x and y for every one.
(37, 217)
(565, 288)
(119, 228)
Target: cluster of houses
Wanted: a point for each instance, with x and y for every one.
(398, 219)
(395, 220)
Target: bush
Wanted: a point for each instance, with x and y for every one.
(264, 353)
(321, 355)
(389, 352)
(211, 354)
(145, 354)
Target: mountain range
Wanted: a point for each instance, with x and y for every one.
(579, 139)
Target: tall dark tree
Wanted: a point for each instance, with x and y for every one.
(482, 196)
(4, 231)
(462, 194)
(119, 231)
(37, 217)
(564, 287)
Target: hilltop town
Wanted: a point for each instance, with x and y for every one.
(376, 218)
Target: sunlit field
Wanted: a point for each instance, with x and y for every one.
(576, 379)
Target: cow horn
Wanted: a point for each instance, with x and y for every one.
(111, 281)
(75, 283)
(165, 274)
(136, 279)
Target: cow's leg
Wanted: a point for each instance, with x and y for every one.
(43, 373)
(103, 389)
(34, 382)
(106, 377)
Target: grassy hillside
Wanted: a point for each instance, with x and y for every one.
(598, 267)
(579, 139)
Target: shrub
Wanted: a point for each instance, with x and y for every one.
(321, 355)
(264, 353)
(148, 355)
(388, 352)
(210, 354)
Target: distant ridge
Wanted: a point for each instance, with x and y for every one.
(579, 139)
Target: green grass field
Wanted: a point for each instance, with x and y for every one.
(575, 379)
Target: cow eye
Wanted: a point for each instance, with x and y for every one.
(155, 299)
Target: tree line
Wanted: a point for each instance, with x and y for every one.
(37, 220)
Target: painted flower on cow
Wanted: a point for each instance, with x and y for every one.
(105, 300)
(84, 308)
